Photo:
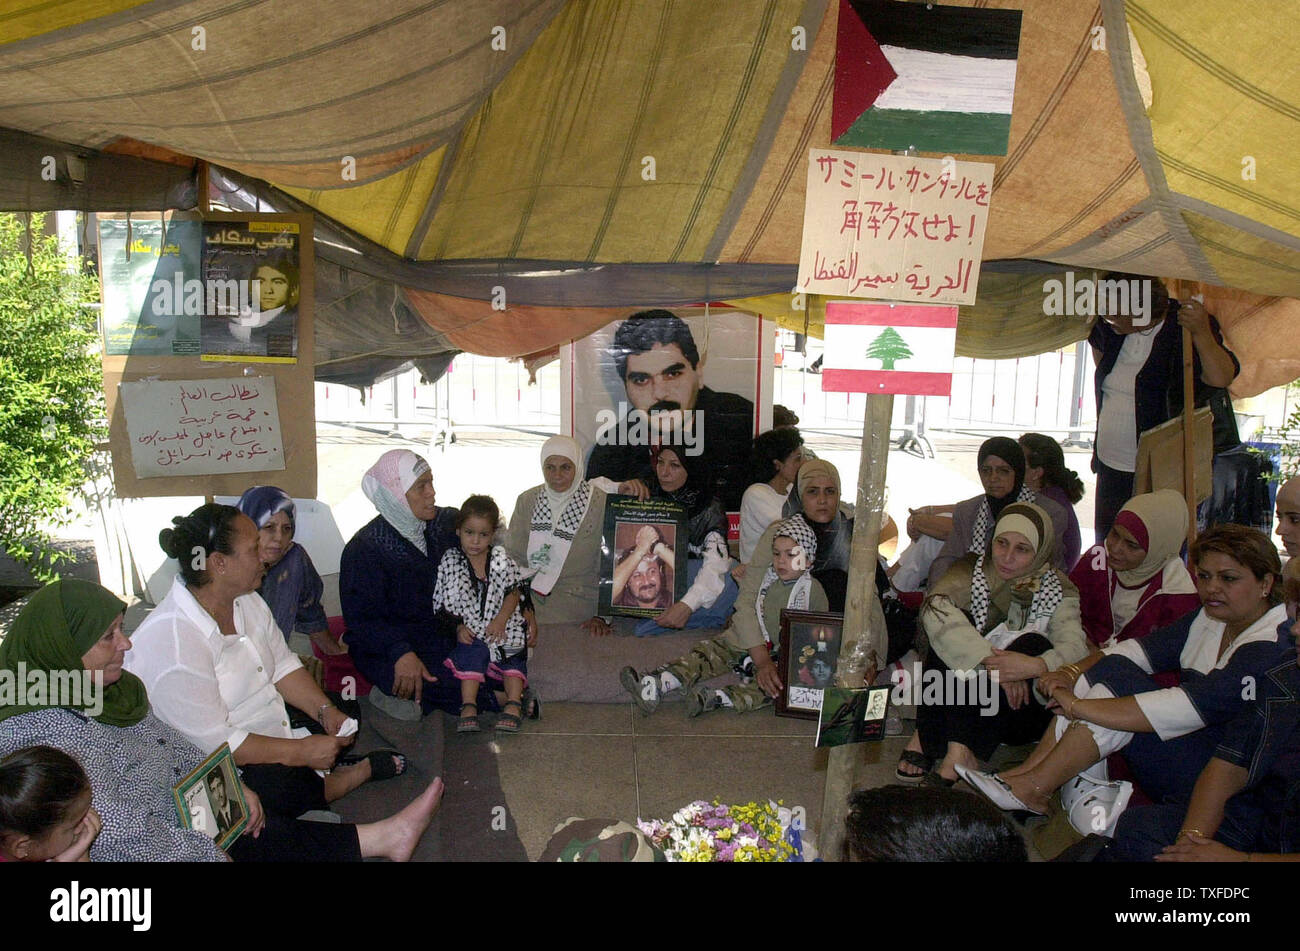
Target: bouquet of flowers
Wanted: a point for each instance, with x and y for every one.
(714, 832)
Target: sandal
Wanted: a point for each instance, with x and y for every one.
(532, 704)
(937, 780)
(467, 724)
(381, 763)
(510, 722)
(917, 759)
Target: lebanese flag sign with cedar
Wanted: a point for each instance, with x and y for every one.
(889, 348)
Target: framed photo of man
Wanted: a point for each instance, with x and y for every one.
(643, 557)
(808, 651)
(691, 376)
(211, 798)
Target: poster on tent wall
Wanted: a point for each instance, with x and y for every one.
(924, 76)
(889, 348)
(251, 276)
(152, 301)
(698, 379)
(893, 227)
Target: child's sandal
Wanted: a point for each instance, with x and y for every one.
(510, 722)
(467, 724)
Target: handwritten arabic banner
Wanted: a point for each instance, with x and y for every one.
(203, 427)
(893, 227)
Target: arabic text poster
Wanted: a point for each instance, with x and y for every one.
(203, 427)
(251, 291)
(893, 227)
(889, 348)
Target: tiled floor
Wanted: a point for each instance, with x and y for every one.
(607, 760)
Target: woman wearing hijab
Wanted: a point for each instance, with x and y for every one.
(291, 587)
(555, 533)
(1002, 473)
(1136, 581)
(132, 758)
(711, 591)
(1005, 610)
(386, 578)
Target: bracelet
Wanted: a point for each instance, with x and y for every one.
(320, 714)
(1184, 832)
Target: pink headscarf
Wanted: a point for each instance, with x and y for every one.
(386, 483)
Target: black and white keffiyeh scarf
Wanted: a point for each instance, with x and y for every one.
(547, 547)
(476, 602)
(798, 529)
(1041, 591)
(984, 520)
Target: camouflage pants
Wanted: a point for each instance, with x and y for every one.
(713, 658)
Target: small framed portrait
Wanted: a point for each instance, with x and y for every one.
(643, 565)
(211, 799)
(852, 715)
(808, 652)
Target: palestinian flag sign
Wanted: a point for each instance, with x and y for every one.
(889, 348)
(956, 77)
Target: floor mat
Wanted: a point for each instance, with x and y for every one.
(477, 825)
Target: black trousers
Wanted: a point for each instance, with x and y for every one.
(287, 791)
(1114, 489)
(965, 722)
(293, 840)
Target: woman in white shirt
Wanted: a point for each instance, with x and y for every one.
(775, 461)
(217, 669)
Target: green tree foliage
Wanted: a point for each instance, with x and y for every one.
(888, 348)
(51, 401)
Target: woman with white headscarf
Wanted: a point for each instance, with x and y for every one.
(386, 579)
(555, 533)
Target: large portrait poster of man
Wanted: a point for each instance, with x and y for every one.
(687, 377)
(251, 276)
(643, 557)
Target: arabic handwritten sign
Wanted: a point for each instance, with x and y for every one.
(893, 227)
(203, 427)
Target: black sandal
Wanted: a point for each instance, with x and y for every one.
(468, 724)
(510, 722)
(381, 763)
(917, 759)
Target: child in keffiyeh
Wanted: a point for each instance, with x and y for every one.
(479, 584)
(787, 584)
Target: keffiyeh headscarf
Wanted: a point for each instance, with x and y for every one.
(556, 517)
(1158, 520)
(797, 529)
(261, 502)
(57, 626)
(386, 484)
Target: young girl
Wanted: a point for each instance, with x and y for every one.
(45, 813)
(787, 583)
(479, 584)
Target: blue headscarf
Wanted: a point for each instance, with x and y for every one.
(262, 501)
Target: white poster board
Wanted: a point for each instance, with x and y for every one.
(893, 227)
(203, 427)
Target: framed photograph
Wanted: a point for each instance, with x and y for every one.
(643, 557)
(852, 715)
(807, 655)
(211, 798)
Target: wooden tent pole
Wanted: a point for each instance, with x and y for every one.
(873, 463)
(1189, 448)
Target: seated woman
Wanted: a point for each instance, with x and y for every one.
(555, 532)
(386, 578)
(219, 671)
(1110, 702)
(132, 758)
(711, 591)
(774, 464)
(1002, 472)
(1240, 810)
(291, 587)
(1045, 473)
(1136, 581)
(1009, 612)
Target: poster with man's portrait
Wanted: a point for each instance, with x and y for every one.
(683, 376)
(252, 283)
(211, 799)
(643, 557)
(852, 715)
(809, 649)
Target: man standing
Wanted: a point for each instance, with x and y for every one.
(657, 360)
(1138, 351)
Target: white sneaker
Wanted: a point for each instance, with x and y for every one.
(644, 690)
(995, 790)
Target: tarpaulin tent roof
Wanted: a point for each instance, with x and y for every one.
(509, 143)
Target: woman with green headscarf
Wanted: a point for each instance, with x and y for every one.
(62, 685)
